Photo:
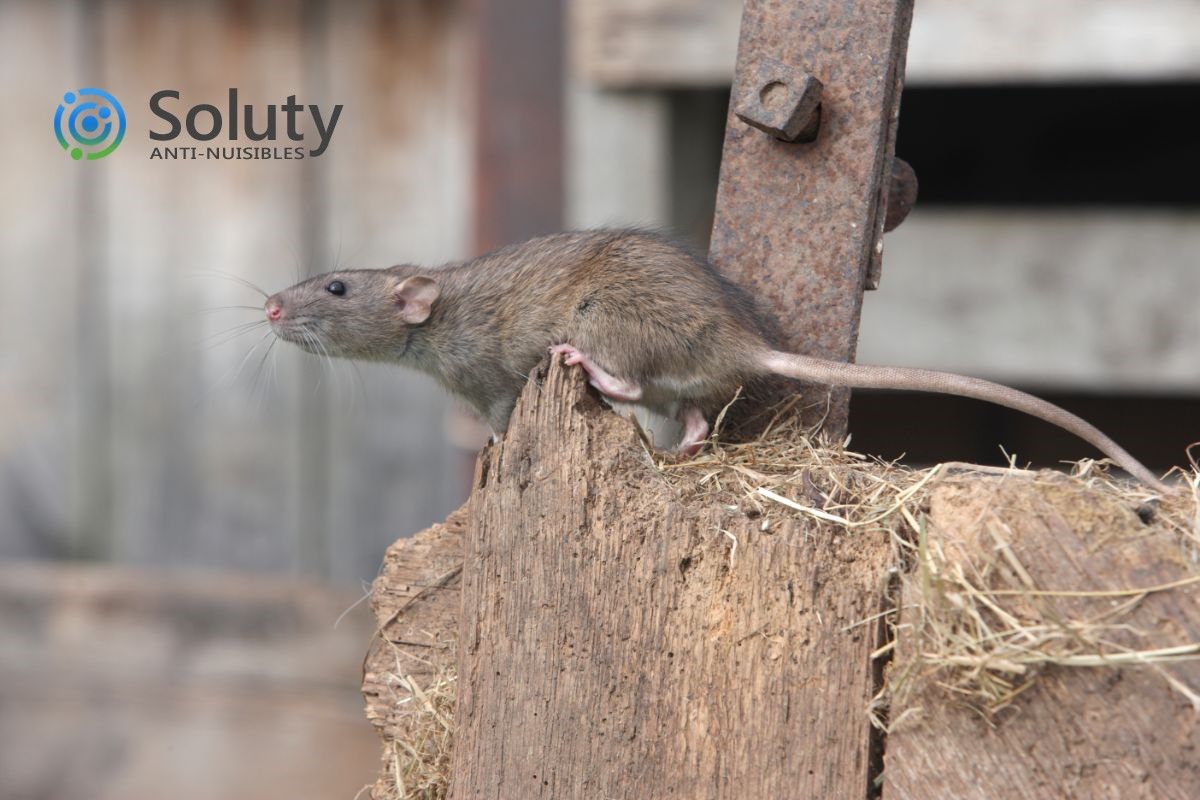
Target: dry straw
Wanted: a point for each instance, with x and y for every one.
(981, 629)
(417, 767)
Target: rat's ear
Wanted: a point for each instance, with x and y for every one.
(414, 296)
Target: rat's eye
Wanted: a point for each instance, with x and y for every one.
(336, 287)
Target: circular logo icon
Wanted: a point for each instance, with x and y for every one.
(89, 123)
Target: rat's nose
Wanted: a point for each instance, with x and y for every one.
(274, 310)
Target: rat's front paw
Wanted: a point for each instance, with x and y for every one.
(572, 356)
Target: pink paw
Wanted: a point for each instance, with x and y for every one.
(611, 387)
(573, 356)
(695, 431)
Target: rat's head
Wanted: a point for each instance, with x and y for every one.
(362, 313)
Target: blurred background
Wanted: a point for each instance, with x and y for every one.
(184, 516)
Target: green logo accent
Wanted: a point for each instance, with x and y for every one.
(85, 120)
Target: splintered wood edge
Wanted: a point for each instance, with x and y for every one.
(415, 600)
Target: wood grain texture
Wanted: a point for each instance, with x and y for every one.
(1078, 732)
(519, 97)
(681, 43)
(135, 429)
(619, 643)
(123, 684)
(635, 43)
(1043, 298)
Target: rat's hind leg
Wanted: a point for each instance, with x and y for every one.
(610, 386)
(695, 430)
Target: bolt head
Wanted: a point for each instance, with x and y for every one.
(780, 100)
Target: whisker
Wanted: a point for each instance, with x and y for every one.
(235, 370)
(330, 366)
(298, 309)
(246, 358)
(327, 365)
(229, 334)
(238, 326)
(236, 279)
(258, 374)
(275, 370)
(228, 340)
(206, 311)
(310, 339)
(334, 365)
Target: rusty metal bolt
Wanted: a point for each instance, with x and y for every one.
(782, 101)
(902, 194)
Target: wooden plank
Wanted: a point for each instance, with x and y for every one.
(640, 43)
(297, 468)
(189, 438)
(43, 400)
(1092, 300)
(617, 643)
(121, 683)
(956, 41)
(519, 97)
(618, 158)
(682, 43)
(1078, 732)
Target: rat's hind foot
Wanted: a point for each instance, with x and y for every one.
(695, 431)
(608, 385)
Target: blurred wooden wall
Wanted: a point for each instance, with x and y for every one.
(127, 432)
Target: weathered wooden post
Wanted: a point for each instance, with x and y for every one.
(615, 643)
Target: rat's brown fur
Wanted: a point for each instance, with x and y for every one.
(641, 308)
(628, 299)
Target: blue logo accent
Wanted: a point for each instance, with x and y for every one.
(89, 123)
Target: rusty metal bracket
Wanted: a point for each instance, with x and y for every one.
(801, 223)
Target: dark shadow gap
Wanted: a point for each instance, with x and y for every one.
(927, 429)
(1080, 145)
(884, 635)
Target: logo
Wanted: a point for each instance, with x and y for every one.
(91, 116)
(239, 122)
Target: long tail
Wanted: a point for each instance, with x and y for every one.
(861, 376)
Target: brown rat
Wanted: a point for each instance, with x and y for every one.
(648, 321)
